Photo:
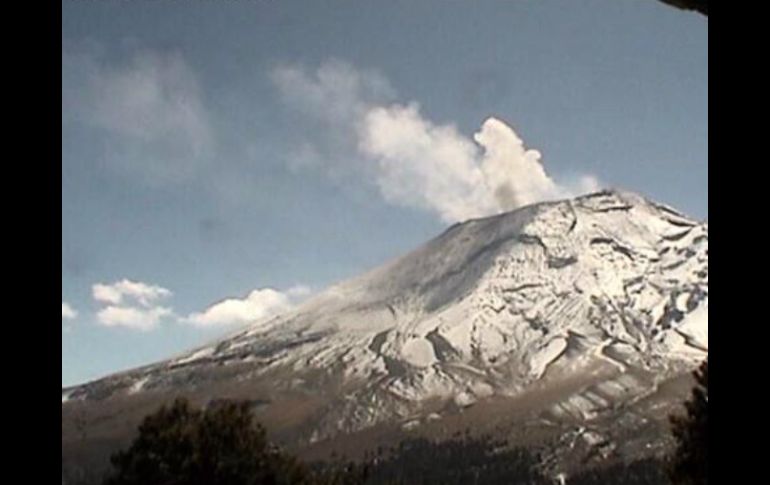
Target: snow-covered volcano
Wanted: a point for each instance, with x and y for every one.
(583, 305)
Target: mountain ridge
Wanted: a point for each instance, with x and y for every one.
(593, 304)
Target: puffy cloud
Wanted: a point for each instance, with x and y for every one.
(257, 305)
(137, 318)
(413, 161)
(67, 312)
(131, 304)
(137, 305)
(119, 291)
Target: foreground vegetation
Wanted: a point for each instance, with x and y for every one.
(224, 445)
(180, 445)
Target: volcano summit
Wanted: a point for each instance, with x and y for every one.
(573, 322)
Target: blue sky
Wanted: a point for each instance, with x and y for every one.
(221, 161)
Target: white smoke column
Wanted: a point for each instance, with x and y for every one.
(514, 176)
(413, 161)
(422, 165)
(433, 167)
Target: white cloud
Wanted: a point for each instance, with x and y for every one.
(138, 318)
(119, 291)
(299, 291)
(257, 305)
(137, 305)
(67, 312)
(131, 304)
(150, 102)
(413, 161)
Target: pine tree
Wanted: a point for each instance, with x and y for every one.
(690, 462)
(221, 445)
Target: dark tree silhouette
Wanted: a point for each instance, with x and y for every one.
(222, 445)
(690, 462)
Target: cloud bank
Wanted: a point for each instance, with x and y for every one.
(413, 161)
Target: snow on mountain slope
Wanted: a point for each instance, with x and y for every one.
(608, 286)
